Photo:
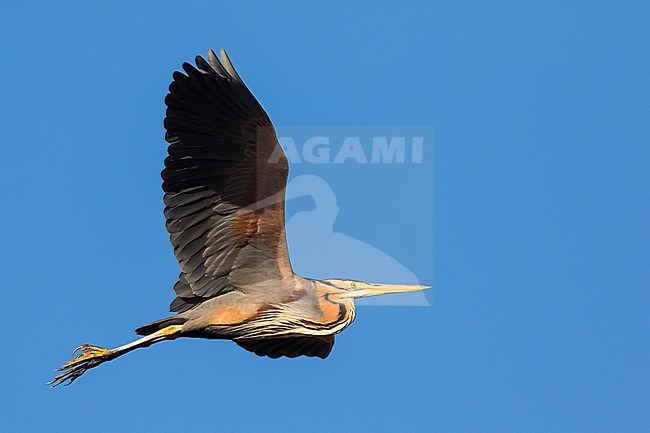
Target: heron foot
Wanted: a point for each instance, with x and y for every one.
(88, 356)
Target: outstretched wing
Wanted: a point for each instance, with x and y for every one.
(224, 182)
(291, 347)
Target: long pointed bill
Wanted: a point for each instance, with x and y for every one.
(364, 290)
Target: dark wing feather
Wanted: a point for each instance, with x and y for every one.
(224, 182)
(291, 347)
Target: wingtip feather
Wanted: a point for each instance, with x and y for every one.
(214, 62)
(227, 64)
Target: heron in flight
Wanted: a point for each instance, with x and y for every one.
(224, 182)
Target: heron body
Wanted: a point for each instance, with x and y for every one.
(305, 307)
(224, 181)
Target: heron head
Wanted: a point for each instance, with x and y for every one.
(361, 289)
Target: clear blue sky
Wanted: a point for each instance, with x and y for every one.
(539, 321)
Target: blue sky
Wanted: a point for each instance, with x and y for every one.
(535, 233)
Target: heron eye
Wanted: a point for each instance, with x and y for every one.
(353, 285)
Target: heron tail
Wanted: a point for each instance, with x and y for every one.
(152, 327)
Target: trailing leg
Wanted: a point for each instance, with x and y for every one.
(91, 356)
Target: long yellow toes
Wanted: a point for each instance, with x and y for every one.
(86, 353)
(88, 357)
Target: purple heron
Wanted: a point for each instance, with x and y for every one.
(224, 182)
